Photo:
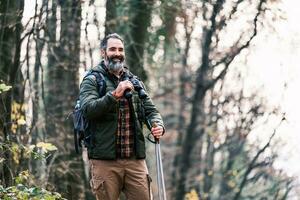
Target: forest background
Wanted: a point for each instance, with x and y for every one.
(223, 73)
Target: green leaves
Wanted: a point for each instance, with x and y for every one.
(4, 88)
(23, 177)
(39, 151)
(22, 192)
(23, 188)
(46, 147)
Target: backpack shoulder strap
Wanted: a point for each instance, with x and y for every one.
(100, 79)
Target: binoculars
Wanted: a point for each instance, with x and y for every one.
(137, 87)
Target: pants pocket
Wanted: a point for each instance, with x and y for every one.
(98, 188)
(149, 180)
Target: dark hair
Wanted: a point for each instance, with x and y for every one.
(103, 44)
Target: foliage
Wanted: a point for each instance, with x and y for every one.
(39, 151)
(192, 195)
(17, 116)
(4, 87)
(23, 192)
(23, 188)
(46, 147)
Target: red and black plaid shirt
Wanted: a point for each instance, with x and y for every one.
(125, 137)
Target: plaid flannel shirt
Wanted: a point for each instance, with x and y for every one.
(125, 137)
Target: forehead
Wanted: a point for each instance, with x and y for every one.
(114, 42)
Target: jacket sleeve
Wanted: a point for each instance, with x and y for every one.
(151, 113)
(93, 106)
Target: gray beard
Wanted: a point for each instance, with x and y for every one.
(115, 67)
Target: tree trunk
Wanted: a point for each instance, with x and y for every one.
(138, 35)
(37, 132)
(10, 74)
(201, 87)
(208, 169)
(184, 80)
(62, 83)
(170, 12)
(189, 141)
(111, 17)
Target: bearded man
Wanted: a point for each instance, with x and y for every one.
(117, 146)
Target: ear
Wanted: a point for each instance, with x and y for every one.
(102, 53)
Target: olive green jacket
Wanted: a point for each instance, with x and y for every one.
(102, 113)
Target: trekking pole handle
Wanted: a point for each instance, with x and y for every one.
(154, 124)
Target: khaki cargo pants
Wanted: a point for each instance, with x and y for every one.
(110, 177)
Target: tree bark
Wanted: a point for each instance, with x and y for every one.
(208, 168)
(111, 17)
(62, 83)
(10, 74)
(138, 35)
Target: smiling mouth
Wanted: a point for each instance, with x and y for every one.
(117, 59)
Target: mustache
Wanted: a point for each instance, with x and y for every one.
(120, 57)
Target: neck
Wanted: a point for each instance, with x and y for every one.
(117, 74)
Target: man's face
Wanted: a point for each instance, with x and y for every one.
(114, 55)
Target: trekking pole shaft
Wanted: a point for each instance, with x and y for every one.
(160, 174)
(159, 170)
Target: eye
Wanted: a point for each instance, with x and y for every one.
(112, 49)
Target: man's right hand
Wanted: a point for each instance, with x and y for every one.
(122, 86)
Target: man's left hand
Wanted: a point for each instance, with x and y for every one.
(157, 132)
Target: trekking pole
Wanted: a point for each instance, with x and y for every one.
(159, 170)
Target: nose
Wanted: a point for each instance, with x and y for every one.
(118, 52)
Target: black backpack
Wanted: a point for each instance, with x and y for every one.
(81, 124)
